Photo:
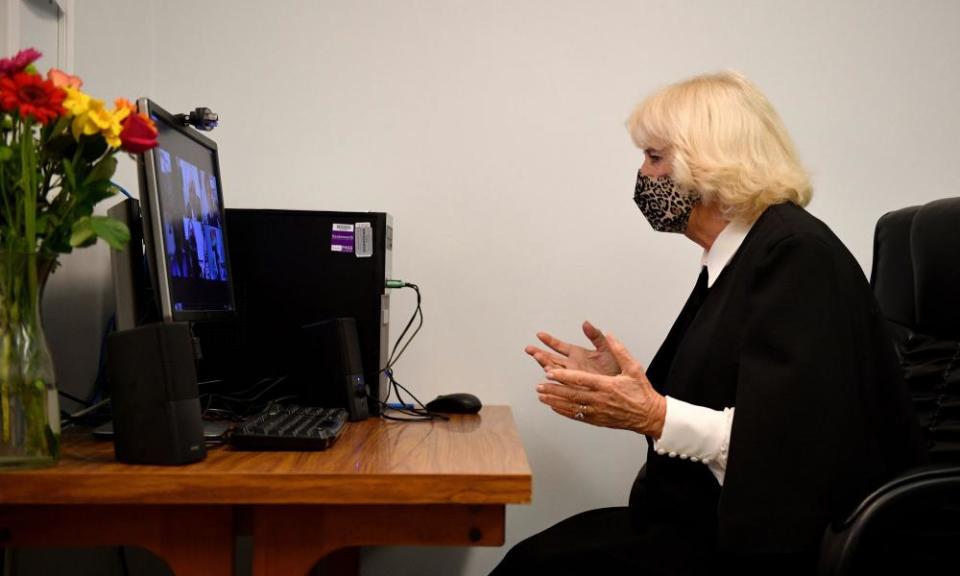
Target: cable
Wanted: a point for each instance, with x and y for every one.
(72, 419)
(72, 397)
(253, 387)
(263, 406)
(99, 384)
(260, 394)
(121, 189)
(90, 409)
(236, 402)
(221, 414)
(417, 314)
(415, 414)
(238, 406)
(415, 399)
(206, 407)
(206, 382)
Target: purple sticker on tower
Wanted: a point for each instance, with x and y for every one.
(341, 238)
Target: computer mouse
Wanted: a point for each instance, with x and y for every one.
(460, 403)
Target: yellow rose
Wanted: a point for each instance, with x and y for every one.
(94, 119)
(115, 127)
(120, 113)
(76, 102)
(90, 116)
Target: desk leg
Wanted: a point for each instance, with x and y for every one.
(192, 540)
(289, 540)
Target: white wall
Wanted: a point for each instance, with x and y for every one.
(492, 131)
(113, 55)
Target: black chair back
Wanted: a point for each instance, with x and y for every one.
(911, 525)
(916, 269)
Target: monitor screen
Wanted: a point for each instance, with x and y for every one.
(184, 221)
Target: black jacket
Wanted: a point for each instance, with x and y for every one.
(790, 335)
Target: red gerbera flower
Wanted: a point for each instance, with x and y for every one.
(16, 64)
(31, 95)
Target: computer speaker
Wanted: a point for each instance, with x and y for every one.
(152, 377)
(331, 372)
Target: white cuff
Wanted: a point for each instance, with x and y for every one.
(697, 433)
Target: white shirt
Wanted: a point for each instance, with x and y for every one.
(693, 432)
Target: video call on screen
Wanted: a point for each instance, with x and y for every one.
(192, 222)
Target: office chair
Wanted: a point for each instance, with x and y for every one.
(911, 525)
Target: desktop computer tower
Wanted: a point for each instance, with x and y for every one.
(295, 268)
(290, 269)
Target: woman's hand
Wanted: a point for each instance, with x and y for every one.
(626, 401)
(597, 361)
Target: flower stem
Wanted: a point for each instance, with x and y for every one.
(5, 354)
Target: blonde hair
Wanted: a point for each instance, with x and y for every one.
(726, 141)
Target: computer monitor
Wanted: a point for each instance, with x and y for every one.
(184, 231)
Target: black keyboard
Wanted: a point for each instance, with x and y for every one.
(290, 427)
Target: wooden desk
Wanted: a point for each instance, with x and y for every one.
(382, 483)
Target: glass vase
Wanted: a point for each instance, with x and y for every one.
(29, 406)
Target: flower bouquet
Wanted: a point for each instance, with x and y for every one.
(58, 148)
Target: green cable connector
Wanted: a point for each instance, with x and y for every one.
(396, 283)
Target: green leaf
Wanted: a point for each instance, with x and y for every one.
(58, 242)
(61, 146)
(89, 195)
(43, 220)
(6, 153)
(102, 170)
(113, 232)
(28, 179)
(61, 126)
(81, 233)
(97, 191)
(93, 147)
(68, 172)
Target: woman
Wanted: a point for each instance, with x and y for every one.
(774, 404)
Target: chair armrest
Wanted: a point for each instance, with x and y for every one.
(939, 484)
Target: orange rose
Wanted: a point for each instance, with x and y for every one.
(61, 79)
(123, 103)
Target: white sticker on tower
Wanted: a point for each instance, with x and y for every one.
(364, 240)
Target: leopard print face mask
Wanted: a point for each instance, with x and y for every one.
(664, 204)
